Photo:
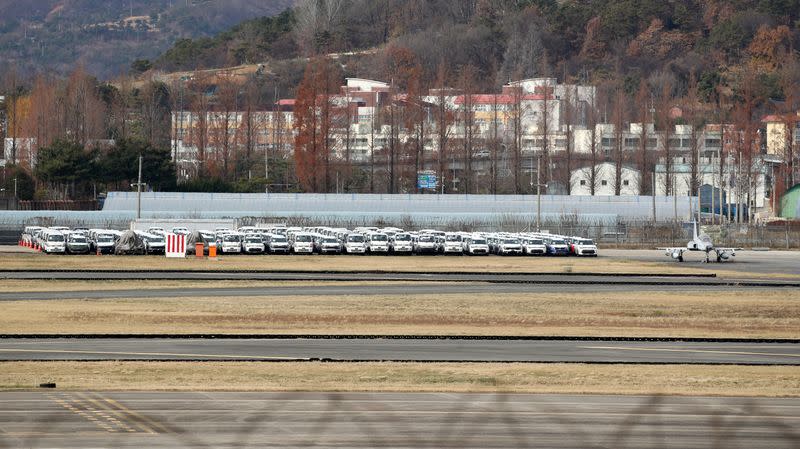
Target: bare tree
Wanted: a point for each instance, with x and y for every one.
(495, 141)
(643, 159)
(790, 82)
(223, 127)
(667, 125)
(619, 117)
(444, 120)
(198, 132)
(516, 113)
(12, 88)
(568, 112)
(467, 116)
(595, 151)
(694, 119)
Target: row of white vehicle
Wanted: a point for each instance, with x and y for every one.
(315, 240)
(63, 240)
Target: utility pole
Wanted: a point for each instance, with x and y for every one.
(539, 186)
(538, 194)
(139, 191)
(674, 199)
(654, 195)
(15, 188)
(713, 191)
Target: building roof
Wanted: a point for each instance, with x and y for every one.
(499, 98)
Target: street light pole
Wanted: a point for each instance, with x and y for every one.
(538, 194)
(139, 185)
(139, 191)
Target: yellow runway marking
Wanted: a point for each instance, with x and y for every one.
(121, 424)
(155, 354)
(138, 416)
(709, 351)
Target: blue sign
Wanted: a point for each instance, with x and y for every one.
(426, 180)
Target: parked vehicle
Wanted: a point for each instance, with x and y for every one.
(104, 242)
(52, 242)
(180, 230)
(153, 243)
(302, 243)
(452, 244)
(277, 243)
(583, 247)
(253, 243)
(557, 247)
(355, 244)
(229, 243)
(327, 245)
(476, 246)
(377, 243)
(533, 246)
(77, 243)
(425, 244)
(509, 246)
(401, 243)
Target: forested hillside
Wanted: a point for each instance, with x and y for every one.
(106, 36)
(591, 40)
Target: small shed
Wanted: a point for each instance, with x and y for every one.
(790, 203)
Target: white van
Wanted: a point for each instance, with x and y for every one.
(377, 242)
(53, 242)
(355, 244)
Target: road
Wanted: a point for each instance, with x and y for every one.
(632, 279)
(394, 420)
(349, 290)
(372, 349)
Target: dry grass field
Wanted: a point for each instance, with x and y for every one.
(750, 313)
(703, 380)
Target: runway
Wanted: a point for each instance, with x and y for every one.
(400, 349)
(392, 420)
(350, 290)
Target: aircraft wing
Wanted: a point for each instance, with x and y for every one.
(728, 250)
(681, 248)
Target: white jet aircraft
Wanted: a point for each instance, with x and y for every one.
(701, 243)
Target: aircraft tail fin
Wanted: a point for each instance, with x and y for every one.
(694, 230)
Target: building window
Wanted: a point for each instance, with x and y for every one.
(625, 182)
(713, 143)
(631, 141)
(604, 182)
(608, 141)
(583, 182)
(652, 142)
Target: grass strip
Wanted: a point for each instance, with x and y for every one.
(756, 313)
(705, 380)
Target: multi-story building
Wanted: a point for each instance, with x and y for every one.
(541, 117)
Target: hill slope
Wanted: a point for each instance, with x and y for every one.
(629, 40)
(106, 36)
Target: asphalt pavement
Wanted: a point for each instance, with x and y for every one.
(406, 349)
(393, 420)
(746, 261)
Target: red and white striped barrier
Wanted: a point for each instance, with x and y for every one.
(175, 245)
